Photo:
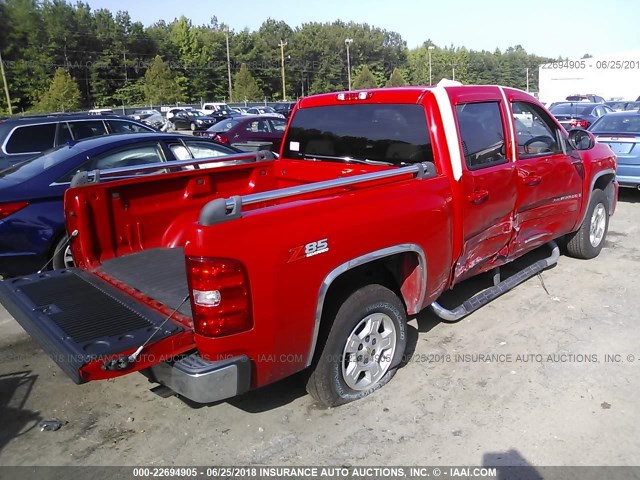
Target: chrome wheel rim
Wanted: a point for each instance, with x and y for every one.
(68, 258)
(369, 351)
(598, 224)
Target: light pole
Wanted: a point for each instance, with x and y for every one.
(527, 79)
(347, 42)
(453, 70)
(228, 66)
(6, 87)
(429, 48)
(282, 44)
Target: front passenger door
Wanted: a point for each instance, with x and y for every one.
(549, 179)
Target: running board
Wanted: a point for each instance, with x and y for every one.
(486, 296)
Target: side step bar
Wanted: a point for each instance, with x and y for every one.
(486, 296)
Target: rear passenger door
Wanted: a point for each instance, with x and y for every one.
(488, 181)
(549, 178)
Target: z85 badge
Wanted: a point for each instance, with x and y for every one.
(308, 250)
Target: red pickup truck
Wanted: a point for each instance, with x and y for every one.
(214, 281)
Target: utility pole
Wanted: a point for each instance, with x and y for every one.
(347, 42)
(453, 70)
(429, 48)
(228, 65)
(6, 87)
(126, 78)
(282, 44)
(527, 79)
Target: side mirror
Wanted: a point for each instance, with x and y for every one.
(581, 139)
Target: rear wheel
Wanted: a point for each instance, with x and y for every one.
(588, 241)
(365, 345)
(62, 257)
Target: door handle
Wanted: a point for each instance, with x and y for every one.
(532, 180)
(478, 197)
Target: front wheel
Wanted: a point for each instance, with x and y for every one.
(193, 126)
(588, 241)
(365, 345)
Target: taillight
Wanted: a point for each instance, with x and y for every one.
(579, 123)
(221, 139)
(220, 296)
(7, 209)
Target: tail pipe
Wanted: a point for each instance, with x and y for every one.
(486, 296)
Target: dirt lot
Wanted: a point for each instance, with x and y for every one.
(447, 406)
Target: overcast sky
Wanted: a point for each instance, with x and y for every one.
(545, 27)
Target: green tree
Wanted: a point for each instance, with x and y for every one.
(63, 94)
(396, 79)
(365, 79)
(245, 87)
(160, 85)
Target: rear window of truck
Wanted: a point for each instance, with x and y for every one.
(395, 134)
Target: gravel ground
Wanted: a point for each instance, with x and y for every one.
(547, 396)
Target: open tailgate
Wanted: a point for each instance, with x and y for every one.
(84, 323)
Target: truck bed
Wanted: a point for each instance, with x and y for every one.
(158, 273)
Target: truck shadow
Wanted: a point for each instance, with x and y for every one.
(15, 389)
(510, 465)
(628, 195)
(450, 299)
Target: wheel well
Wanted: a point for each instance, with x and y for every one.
(401, 273)
(605, 183)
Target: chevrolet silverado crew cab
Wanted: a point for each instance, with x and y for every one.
(214, 281)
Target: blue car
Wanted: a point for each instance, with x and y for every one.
(621, 131)
(32, 231)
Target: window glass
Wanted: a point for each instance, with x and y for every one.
(258, 126)
(223, 126)
(124, 157)
(64, 134)
(87, 129)
(618, 124)
(35, 166)
(540, 137)
(32, 138)
(481, 133)
(278, 125)
(207, 149)
(390, 133)
(120, 126)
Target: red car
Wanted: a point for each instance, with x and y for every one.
(248, 128)
(218, 280)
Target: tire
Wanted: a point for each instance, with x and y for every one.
(192, 126)
(588, 241)
(62, 255)
(341, 373)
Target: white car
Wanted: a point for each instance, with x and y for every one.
(263, 111)
(215, 108)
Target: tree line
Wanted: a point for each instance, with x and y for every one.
(53, 50)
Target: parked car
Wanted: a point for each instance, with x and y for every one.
(170, 113)
(263, 111)
(578, 114)
(192, 120)
(31, 214)
(284, 108)
(218, 108)
(150, 117)
(25, 137)
(254, 128)
(621, 131)
(585, 98)
(632, 106)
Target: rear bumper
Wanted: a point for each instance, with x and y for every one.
(203, 381)
(628, 181)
